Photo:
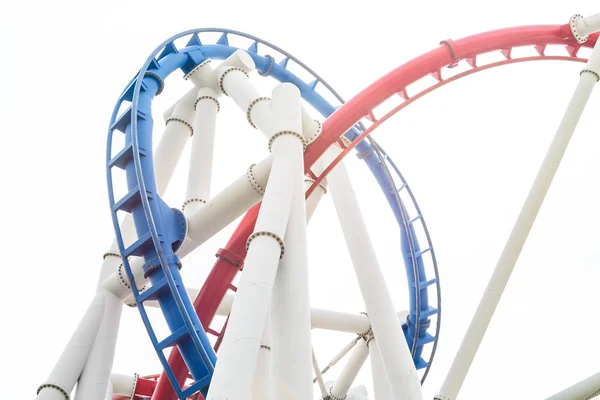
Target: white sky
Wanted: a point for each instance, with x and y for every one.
(469, 151)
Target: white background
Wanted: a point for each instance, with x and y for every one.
(469, 151)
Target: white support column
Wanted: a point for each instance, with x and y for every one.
(177, 131)
(67, 370)
(228, 205)
(359, 355)
(236, 365)
(261, 386)
(95, 377)
(291, 355)
(201, 157)
(579, 391)
(395, 354)
(235, 83)
(506, 263)
(381, 384)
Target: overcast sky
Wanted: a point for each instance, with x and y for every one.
(469, 151)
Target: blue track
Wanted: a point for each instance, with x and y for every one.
(161, 229)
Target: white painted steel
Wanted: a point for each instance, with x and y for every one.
(202, 152)
(355, 393)
(396, 357)
(345, 350)
(236, 366)
(109, 392)
(68, 368)
(381, 384)
(351, 369)
(290, 307)
(319, 375)
(579, 391)
(204, 75)
(123, 384)
(173, 141)
(506, 263)
(261, 386)
(228, 205)
(588, 25)
(95, 377)
(339, 321)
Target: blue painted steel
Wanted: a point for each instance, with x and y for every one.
(160, 228)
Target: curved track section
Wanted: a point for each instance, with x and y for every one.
(143, 202)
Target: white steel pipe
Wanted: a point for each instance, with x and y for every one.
(123, 384)
(95, 376)
(355, 393)
(396, 357)
(506, 263)
(339, 321)
(228, 205)
(579, 391)
(236, 366)
(261, 386)
(318, 374)
(291, 356)
(381, 384)
(68, 368)
(359, 355)
(341, 354)
(236, 84)
(177, 131)
(203, 75)
(584, 26)
(201, 157)
(358, 393)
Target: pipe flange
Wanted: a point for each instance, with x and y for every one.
(193, 200)
(370, 330)
(192, 72)
(110, 253)
(269, 234)
(135, 382)
(54, 386)
(264, 346)
(222, 80)
(230, 257)
(332, 397)
(573, 22)
(183, 121)
(249, 111)
(317, 133)
(311, 180)
(279, 134)
(153, 268)
(208, 98)
(124, 281)
(161, 83)
(254, 181)
(448, 44)
(591, 72)
(268, 70)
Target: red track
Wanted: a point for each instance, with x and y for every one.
(359, 107)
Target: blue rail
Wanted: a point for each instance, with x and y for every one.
(161, 229)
